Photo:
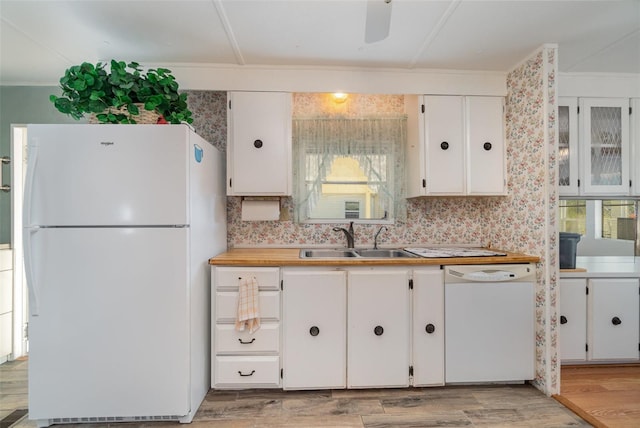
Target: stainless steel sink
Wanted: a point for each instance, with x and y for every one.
(384, 253)
(326, 254)
(359, 253)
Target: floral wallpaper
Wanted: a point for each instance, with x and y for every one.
(524, 221)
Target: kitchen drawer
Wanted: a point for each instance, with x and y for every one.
(226, 305)
(234, 370)
(227, 277)
(265, 340)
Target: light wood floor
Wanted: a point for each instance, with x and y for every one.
(605, 396)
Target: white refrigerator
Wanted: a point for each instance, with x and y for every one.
(120, 221)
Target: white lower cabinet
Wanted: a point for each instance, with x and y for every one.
(428, 327)
(378, 328)
(241, 359)
(314, 348)
(599, 320)
(573, 319)
(613, 325)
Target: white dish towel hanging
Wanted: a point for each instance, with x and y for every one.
(248, 316)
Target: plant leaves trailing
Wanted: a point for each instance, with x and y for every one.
(88, 88)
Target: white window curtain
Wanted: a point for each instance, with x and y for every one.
(377, 144)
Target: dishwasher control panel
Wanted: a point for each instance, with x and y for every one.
(490, 273)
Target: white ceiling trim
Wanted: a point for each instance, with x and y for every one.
(434, 33)
(605, 49)
(235, 47)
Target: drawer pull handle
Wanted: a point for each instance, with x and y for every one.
(430, 328)
(616, 321)
(314, 331)
(563, 319)
(245, 375)
(247, 343)
(378, 330)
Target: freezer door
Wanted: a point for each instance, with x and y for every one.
(107, 175)
(111, 336)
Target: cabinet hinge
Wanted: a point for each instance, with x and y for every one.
(411, 284)
(410, 370)
(586, 347)
(630, 110)
(229, 104)
(281, 373)
(578, 182)
(230, 182)
(424, 183)
(578, 109)
(422, 108)
(587, 290)
(282, 284)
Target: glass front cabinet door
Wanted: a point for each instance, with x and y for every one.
(604, 145)
(569, 179)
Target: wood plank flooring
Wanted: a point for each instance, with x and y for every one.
(606, 396)
(451, 406)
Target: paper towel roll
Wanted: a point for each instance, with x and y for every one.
(256, 210)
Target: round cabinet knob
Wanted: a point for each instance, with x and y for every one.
(616, 321)
(563, 319)
(378, 330)
(444, 145)
(487, 146)
(430, 328)
(314, 331)
(257, 144)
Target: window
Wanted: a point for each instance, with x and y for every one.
(573, 216)
(600, 219)
(347, 168)
(619, 219)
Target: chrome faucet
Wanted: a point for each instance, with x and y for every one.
(348, 233)
(375, 238)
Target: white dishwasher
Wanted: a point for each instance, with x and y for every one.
(489, 323)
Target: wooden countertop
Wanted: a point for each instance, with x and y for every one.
(291, 257)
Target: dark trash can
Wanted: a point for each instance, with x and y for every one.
(568, 244)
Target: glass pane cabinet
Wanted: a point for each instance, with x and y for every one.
(568, 180)
(604, 142)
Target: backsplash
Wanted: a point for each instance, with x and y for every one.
(428, 221)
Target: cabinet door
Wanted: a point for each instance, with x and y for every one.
(485, 142)
(428, 327)
(378, 328)
(259, 143)
(568, 180)
(635, 145)
(573, 319)
(604, 135)
(314, 329)
(444, 140)
(614, 322)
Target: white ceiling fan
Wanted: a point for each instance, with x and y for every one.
(378, 20)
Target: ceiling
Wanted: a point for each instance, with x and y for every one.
(40, 39)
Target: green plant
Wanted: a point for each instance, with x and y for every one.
(112, 96)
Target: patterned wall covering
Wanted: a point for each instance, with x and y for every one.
(525, 221)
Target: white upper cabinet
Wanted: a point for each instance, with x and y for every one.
(459, 148)
(259, 144)
(594, 147)
(604, 132)
(568, 180)
(635, 146)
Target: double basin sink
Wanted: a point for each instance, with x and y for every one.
(342, 253)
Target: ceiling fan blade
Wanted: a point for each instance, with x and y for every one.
(378, 20)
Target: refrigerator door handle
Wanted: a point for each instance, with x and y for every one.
(32, 161)
(28, 269)
(29, 229)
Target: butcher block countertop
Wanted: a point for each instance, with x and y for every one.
(291, 257)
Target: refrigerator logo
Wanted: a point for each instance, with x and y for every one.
(106, 143)
(197, 153)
